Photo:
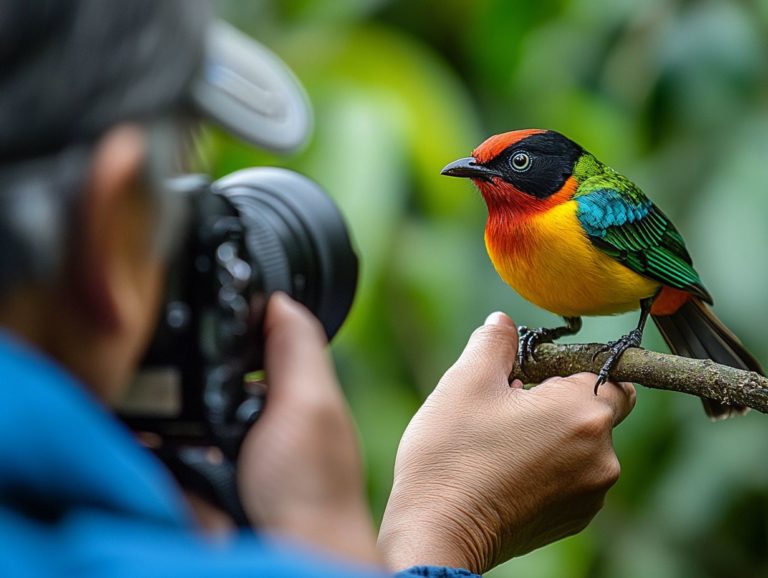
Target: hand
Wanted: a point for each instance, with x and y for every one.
(300, 474)
(487, 470)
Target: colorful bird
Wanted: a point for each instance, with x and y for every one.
(576, 238)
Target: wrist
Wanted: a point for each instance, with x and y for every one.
(346, 531)
(418, 530)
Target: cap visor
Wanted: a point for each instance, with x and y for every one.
(250, 92)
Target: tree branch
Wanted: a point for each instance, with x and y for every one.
(703, 378)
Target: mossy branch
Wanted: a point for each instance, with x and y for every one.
(703, 378)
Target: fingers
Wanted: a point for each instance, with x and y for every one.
(500, 318)
(489, 356)
(619, 397)
(297, 364)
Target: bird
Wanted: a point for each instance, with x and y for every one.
(575, 237)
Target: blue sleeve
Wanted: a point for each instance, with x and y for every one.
(436, 572)
(94, 545)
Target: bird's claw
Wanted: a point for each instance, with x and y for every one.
(615, 349)
(602, 377)
(529, 340)
(602, 349)
(522, 335)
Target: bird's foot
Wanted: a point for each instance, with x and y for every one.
(529, 339)
(615, 349)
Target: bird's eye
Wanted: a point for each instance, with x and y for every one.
(520, 162)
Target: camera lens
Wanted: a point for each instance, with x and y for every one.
(249, 234)
(296, 241)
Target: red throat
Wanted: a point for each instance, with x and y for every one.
(505, 201)
(510, 211)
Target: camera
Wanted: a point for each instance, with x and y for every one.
(245, 236)
(248, 235)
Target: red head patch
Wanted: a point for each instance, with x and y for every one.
(494, 145)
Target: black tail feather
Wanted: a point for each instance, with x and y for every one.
(694, 331)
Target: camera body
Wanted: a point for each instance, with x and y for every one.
(248, 235)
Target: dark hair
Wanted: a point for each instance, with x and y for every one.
(69, 71)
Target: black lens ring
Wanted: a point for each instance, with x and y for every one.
(299, 201)
(298, 246)
(273, 270)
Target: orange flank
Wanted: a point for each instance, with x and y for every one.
(491, 147)
(669, 301)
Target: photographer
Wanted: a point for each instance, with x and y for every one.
(97, 100)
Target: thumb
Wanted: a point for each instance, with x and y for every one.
(489, 354)
(296, 362)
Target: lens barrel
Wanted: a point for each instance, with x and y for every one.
(296, 239)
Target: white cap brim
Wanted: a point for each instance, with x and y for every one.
(250, 92)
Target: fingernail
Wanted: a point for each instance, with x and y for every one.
(282, 308)
(498, 318)
(282, 299)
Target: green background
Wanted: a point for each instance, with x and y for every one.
(674, 94)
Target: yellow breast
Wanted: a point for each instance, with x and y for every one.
(548, 259)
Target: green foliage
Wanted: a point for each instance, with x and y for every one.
(670, 93)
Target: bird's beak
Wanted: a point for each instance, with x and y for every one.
(468, 168)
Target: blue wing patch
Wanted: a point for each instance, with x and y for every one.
(604, 208)
(629, 228)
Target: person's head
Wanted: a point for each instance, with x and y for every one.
(96, 99)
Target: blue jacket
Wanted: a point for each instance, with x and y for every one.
(78, 496)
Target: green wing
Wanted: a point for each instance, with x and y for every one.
(621, 221)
